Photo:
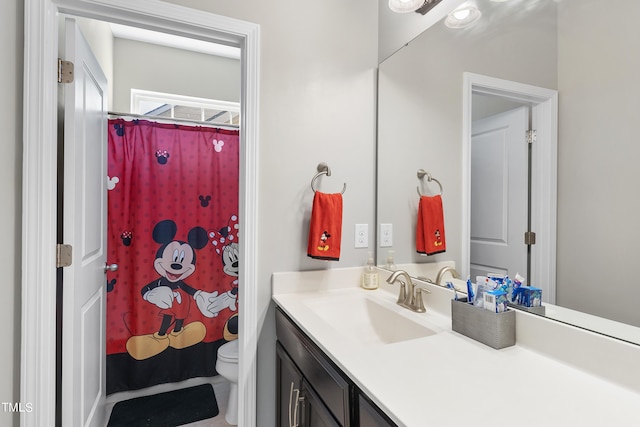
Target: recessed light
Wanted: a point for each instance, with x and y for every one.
(405, 6)
(462, 17)
(462, 14)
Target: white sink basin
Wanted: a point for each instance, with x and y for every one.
(368, 320)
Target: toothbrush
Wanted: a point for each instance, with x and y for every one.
(470, 293)
(453, 288)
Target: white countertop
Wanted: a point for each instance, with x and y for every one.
(448, 379)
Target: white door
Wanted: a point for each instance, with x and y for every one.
(84, 227)
(499, 194)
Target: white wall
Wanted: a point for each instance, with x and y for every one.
(163, 69)
(598, 197)
(11, 32)
(420, 115)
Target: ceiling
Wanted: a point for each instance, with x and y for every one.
(178, 42)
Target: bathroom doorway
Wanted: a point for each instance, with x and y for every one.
(38, 370)
(543, 174)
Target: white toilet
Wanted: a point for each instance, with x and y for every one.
(227, 367)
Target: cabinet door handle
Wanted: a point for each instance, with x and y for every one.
(295, 408)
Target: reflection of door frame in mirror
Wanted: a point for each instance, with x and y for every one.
(544, 104)
(39, 206)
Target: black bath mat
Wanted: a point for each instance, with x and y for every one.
(170, 409)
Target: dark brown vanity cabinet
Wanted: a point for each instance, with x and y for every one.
(298, 405)
(312, 390)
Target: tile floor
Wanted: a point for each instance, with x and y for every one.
(220, 389)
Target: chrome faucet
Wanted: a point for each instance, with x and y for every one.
(442, 272)
(408, 298)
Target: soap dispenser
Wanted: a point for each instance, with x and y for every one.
(370, 275)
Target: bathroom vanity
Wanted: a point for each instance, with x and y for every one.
(312, 390)
(353, 357)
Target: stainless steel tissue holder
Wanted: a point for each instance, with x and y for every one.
(497, 330)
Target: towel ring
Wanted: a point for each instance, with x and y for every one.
(421, 174)
(323, 169)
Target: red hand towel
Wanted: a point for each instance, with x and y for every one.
(325, 230)
(430, 228)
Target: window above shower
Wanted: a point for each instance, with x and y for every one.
(167, 105)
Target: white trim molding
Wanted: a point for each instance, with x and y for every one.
(544, 174)
(39, 219)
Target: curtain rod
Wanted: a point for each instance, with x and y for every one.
(173, 120)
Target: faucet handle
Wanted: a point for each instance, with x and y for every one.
(418, 303)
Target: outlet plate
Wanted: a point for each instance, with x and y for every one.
(362, 236)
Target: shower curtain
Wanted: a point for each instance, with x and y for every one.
(173, 231)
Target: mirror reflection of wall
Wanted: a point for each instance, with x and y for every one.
(420, 113)
(585, 49)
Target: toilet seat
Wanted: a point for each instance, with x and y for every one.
(229, 352)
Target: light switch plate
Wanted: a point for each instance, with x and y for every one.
(386, 235)
(362, 236)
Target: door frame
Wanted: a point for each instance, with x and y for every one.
(39, 205)
(544, 173)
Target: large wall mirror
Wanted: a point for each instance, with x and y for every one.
(435, 92)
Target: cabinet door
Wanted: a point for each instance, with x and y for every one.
(289, 389)
(316, 414)
(328, 382)
(371, 415)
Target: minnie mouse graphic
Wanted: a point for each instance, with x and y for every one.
(225, 242)
(175, 261)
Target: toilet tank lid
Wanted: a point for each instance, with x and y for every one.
(229, 350)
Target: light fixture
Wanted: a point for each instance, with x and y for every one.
(406, 6)
(462, 17)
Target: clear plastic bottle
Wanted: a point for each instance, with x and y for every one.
(370, 275)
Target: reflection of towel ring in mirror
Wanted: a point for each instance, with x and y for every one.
(323, 169)
(421, 174)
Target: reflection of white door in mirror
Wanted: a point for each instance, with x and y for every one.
(543, 103)
(499, 194)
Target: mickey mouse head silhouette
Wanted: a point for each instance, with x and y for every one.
(119, 129)
(217, 145)
(162, 156)
(126, 237)
(204, 200)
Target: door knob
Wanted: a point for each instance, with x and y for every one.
(110, 267)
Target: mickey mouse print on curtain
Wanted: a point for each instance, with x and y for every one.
(173, 230)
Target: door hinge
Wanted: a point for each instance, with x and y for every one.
(531, 136)
(65, 71)
(63, 255)
(529, 238)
